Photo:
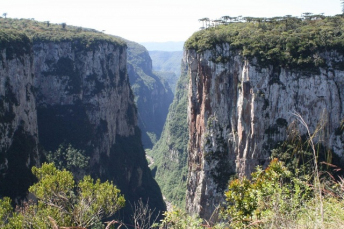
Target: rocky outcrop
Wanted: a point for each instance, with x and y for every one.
(238, 110)
(153, 96)
(18, 116)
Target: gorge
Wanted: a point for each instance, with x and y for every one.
(244, 89)
(73, 90)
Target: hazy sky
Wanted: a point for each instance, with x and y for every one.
(156, 20)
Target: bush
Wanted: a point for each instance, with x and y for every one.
(273, 192)
(62, 203)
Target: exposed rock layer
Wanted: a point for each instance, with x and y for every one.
(238, 110)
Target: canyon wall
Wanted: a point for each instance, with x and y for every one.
(238, 110)
(72, 91)
(18, 116)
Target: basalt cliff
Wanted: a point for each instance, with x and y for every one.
(72, 89)
(242, 102)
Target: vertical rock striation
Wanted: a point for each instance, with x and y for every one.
(238, 110)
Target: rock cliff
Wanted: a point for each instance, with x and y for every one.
(18, 116)
(82, 97)
(238, 110)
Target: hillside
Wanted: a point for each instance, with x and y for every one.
(170, 152)
(153, 95)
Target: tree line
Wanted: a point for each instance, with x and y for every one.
(225, 20)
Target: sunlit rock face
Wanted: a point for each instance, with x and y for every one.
(239, 110)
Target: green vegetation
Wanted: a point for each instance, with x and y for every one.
(285, 41)
(170, 152)
(16, 43)
(273, 192)
(61, 202)
(170, 77)
(178, 219)
(273, 198)
(152, 94)
(43, 31)
(69, 158)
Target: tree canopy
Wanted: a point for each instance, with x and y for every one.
(288, 41)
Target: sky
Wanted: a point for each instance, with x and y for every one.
(156, 20)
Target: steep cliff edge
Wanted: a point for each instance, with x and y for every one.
(246, 80)
(18, 117)
(153, 96)
(84, 98)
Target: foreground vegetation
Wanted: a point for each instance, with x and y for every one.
(62, 202)
(273, 198)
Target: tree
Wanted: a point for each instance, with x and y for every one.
(4, 14)
(206, 20)
(61, 202)
(69, 158)
(8, 218)
(273, 191)
(342, 2)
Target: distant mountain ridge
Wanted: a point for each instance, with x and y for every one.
(169, 46)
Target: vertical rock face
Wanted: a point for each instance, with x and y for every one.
(84, 90)
(72, 91)
(239, 110)
(18, 117)
(84, 98)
